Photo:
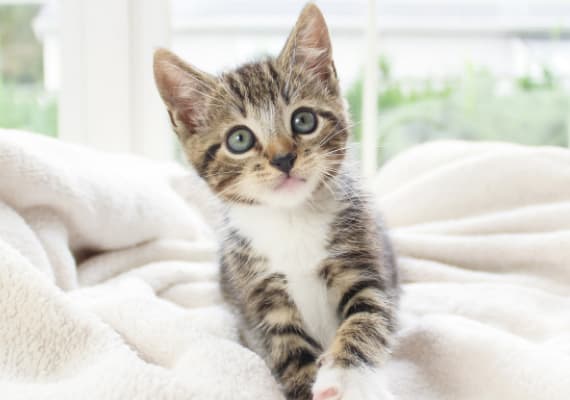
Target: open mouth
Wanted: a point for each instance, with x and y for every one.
(289, 183)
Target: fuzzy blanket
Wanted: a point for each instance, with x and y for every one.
(108, 280)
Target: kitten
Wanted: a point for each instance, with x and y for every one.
(303, 259)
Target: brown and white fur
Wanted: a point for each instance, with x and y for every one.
(304, 261)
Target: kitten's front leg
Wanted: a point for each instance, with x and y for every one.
(350, 369)
(291, 352)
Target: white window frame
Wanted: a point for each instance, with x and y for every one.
(108, 100)
(370, 134)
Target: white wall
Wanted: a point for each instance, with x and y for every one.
(216, 52)
(411, 55)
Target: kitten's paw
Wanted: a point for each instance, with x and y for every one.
(335, 383)
(329, 384)
(327, 394)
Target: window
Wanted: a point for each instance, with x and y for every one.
(412, 70)
(474, 70)
(28, 76)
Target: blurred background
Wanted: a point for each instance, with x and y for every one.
(412, 70)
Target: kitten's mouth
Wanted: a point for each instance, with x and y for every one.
(289, 183)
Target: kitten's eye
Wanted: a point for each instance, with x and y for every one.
(303, 121)
(240, 140)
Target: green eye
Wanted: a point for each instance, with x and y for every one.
(303, 121)
(240, 140)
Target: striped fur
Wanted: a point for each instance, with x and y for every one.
(309, 270)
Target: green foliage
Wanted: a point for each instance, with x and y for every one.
(547, 81)
(474, 106)
(29, 108)
(21, 56)
(23, 101)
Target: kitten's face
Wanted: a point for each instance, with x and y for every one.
(271, 132)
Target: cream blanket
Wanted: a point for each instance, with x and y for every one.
(108, 281)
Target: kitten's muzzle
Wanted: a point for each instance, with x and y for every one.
(284, 162)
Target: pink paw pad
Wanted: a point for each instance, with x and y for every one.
(328, 394)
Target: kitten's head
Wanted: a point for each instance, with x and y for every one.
(271, 132)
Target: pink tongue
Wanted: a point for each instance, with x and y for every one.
(290, 183)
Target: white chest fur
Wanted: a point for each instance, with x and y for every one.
(294, 243)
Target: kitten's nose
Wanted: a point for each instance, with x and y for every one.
(284, 162)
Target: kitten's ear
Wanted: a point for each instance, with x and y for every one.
(309, 45)
(184, 89)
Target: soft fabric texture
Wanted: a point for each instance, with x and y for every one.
(108, 287)
(483, 236)
(108, 283)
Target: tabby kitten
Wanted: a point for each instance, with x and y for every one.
(303, 259)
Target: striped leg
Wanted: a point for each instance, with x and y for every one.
(271, 317)
(291, 352)
(349, 369)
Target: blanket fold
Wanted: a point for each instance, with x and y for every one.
(483, 234)
(108, 276)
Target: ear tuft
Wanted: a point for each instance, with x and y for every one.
(183, 88)
(309, 45)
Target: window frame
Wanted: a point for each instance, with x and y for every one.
(107, 97)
